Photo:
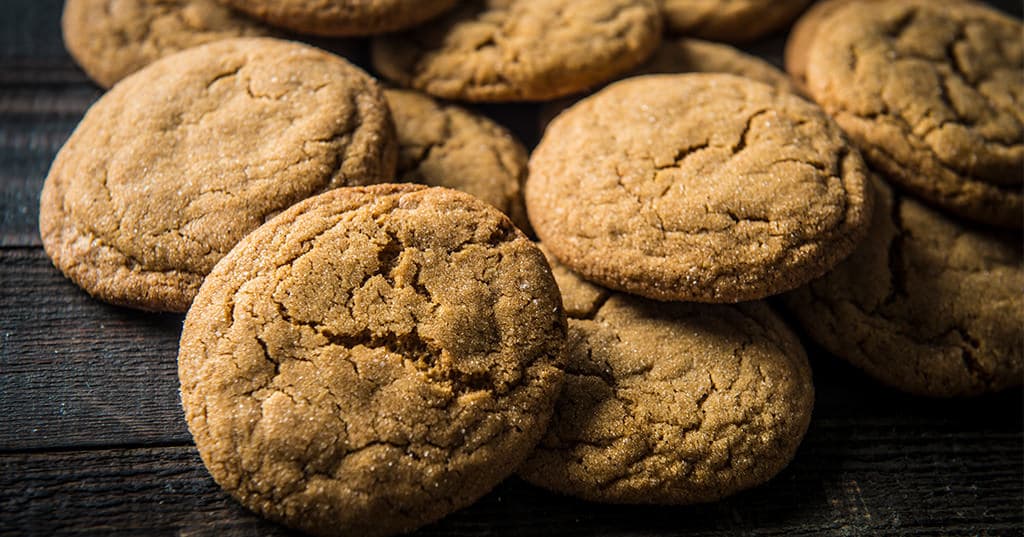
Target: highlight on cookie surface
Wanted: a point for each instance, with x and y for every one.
(168, 170)
(372, 359)
(697, 187)
(343, 18)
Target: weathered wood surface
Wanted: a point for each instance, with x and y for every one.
(92, 438)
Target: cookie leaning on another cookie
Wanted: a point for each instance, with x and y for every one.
(671, 403)
(179, 161)
(932, 96)
(521, 50)
(698, 187)
(925, 304)
(343, 18)
(112, 40)
(445, 145)
(372, 359)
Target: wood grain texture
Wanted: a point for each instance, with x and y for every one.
(875, 481)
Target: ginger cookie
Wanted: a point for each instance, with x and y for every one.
(112, 39)
(924, 304)
(698, 187)
(446, 145)
(733, 21)
(372, 359)
(521, 50)
(341, 18)
(671, 403)
(168, 170)
(932, 95)
(685, 55)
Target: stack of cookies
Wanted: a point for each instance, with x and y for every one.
(363, 355)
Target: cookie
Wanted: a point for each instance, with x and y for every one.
(113, 39)
(671, 403)
(521, 50)
(698, 187)
(168, 170)
(372, 359)
(805, 29)
(932, 96)
(733, 21)
(925, 304)
(446, 145)
(686, 55)
(341, 18)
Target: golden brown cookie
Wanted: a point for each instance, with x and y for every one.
(733, 21)
(805, 29)
(925, 304)
(372, 359)
(339, 18)
(521, 50)
(671, 403)
(699, 187)
(446, 145)
(932, 94)
(179, 161)
(685, 55)
(112, 39)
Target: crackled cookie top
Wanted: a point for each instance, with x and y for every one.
(446, 145)
(671, 403)
(372, 359)
(112, 39)
(703, 187)
(178, 162)
(925, 304)
(730, 20)
(340, 18)
(933, 96)
(515, 50)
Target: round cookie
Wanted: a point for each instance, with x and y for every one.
(168, 170)
(341, 18)
(924, 304)
(372, 359)
(685, 55)
(521, 50)
(733, 21)
(113, 39)
(672, 403)
(698, 187)
(932, 96)
(445, 145)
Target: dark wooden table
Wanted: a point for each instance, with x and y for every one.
(92, 437)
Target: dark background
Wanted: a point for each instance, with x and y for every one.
(93, 440)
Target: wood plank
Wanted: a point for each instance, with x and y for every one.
(956, 486)
(77, 372)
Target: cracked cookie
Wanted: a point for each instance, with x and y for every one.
(521, 50)
(687, 55)
(113, 39)
(802, 35)
(932, 95)
(168, 170)
(446, 145)
(671, 403)
(924, 304)
(730, 20)
(372, 359)
(343, 18)
(700, 187)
